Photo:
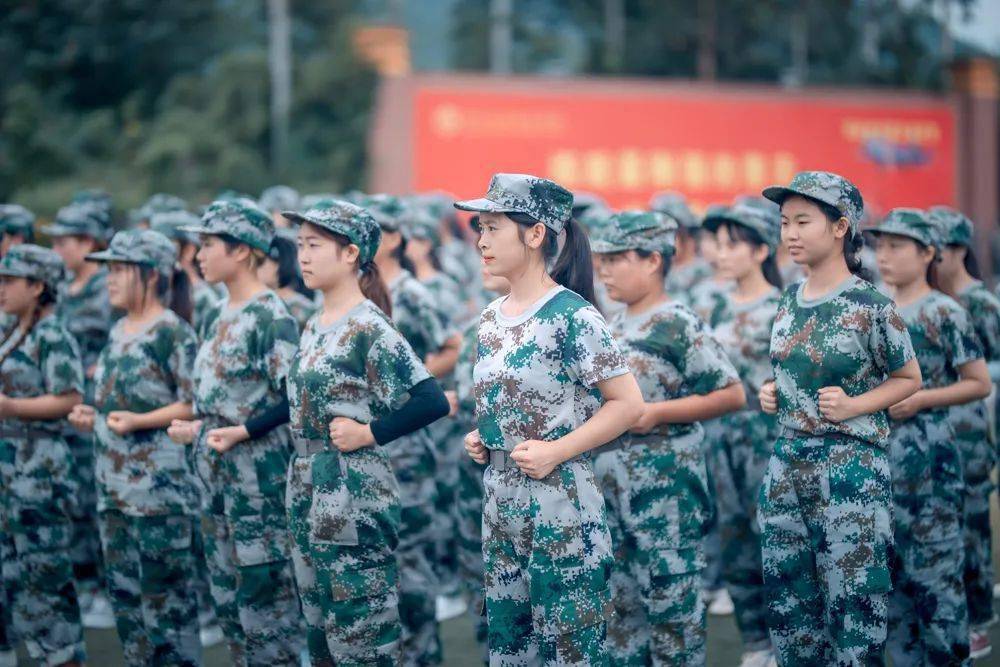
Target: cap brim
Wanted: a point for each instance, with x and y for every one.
(59, 230)
(483, 206)
(878, 231)
(605, 248)
(294, 217)
(108, 256)
(778, 193)
(199, 230)
(14, 274)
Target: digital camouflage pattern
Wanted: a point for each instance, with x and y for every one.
(546, 546)
(739, 457)
(15, 219)
(657, 492)
(239, 372)
(172, 224)
(205, 301)
(682, 280)
(39, 494)
(825, 503)
(976, 444)
(636, 230)
(300, 307)
(386, 209)
(708, 299)
(753, 217)
(346, 219)
(852, 337)
(144, 247)
(144, 473)
(88, 315)
(826, 187)
(956, 228)
(344, 509)
(912, 223)
(85, 218)
(35, 263)
(279, 198)
(239, 218)
(160, 203)
(542, 199)
(674, 205)
(928, 619)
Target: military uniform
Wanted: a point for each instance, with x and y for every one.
(37, 487)
(15, 220)
(240, 372)
(825, 505)
(147, 500)
(203, 296)
(546, 546)
(974, 432)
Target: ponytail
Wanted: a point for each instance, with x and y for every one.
(972, 264)
(853, 244)
(179, 297)
(573, 268)
(745, 234)
(771, 273)
(400, 256)
(373, 287)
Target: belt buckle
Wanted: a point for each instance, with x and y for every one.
(498, 459)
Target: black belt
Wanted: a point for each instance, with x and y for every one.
(305, 447)
(24, 431)
(500, 458)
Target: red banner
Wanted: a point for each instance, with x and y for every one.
(710, 146)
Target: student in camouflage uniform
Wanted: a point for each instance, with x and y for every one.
(280, 272)
(747, 238)
(171, 225)
(655, 482)
(240, 451)
(688, 267)
(414, 457)
(81, 228)
(928, 619)
(17, 225)
(276, 199)
(545, 360)
(147, 501)
(958, 275)
(354, 386)
(841, 356)
(142, 217)
(41, 379)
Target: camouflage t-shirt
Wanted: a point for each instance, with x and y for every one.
(87, 315)
(205, 299)
(241, 366)
(744, 332)
(144, 473)
(984, 311)
(300, 307)
(46, 361)
(682, 279)
(416, 315)
(942, 337)
(851, 338)
(672, 354)
(447, 296)
(358, 367)
(708, 299)
(535, 373)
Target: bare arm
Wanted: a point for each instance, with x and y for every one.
(41, 408)
(837, 406)
(693, 408)
(973, 384)
(162, 417)
(442, 363)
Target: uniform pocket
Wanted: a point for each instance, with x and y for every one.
(331, 519)
(557, 530)
(159, 535)
(569, 599)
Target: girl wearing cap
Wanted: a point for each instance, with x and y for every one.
(203, 296)
(354, 385)
(958, 275)
(41, 379)
(841, 355)
(551, 384)
(280, 272)
(747, 239)
(241, 448)
(655, 483)
(928, 618)
(147, 501)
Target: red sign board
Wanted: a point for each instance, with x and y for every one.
(627, 144)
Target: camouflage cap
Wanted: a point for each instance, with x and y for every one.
(308, 201)
(161, 203)
(172, 223)
(912, 223)
(637, 230)
(542, 199)
(94, 196)
(228, 194)
(34, 262)
(420, 224)
(594, 218)
(140, 246)
(753, 218)
(584, 201)
(771, 209)
(386, 209)
(826, 187)
(440, 205)
(241, 219)
(955, 227)
(279, 198)
(81, 219)
(15, 219)
(674, 205)
(346, 219)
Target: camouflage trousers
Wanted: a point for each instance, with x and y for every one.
(247, 548)
(978, 460)
(343, 514)
(8, 658)
(825, 519)
(738, 460)
(85, 547)
(469, 522)
(928, 618)
(449, 448)
(712, 577)
(415, 468)
(149, 567)
(547, 558)
(35, 536)
(658, 505)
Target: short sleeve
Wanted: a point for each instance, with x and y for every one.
(393, 368)
(60, 363)
(430, 320)
(707, 367)
(181, 363)
(279, 340)
(960, 339)
(890, 344)
(590, 352)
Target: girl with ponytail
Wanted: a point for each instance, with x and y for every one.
(550, 385)
(354, 386)
(143, 381)
(41, 379)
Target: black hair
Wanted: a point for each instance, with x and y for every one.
(665, 260)
(746, 235)
(288, 265)
(232, 243)
(400, 255)
(46, 298)
(172, 291)
(970, 262)
(574, 268)
(370, 281)
(853, 242)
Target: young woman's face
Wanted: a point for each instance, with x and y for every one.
(808, 233)
(627, 276)
(216, 262)
(419, 250)
(502, 248)
(18, 295)
(324, 262)
(952, 262)
(267, 273)
(73, 250)
(901, 260)
(123, 282)
(8, 241)
(735, 259)
(387, 245)
(709, 249)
